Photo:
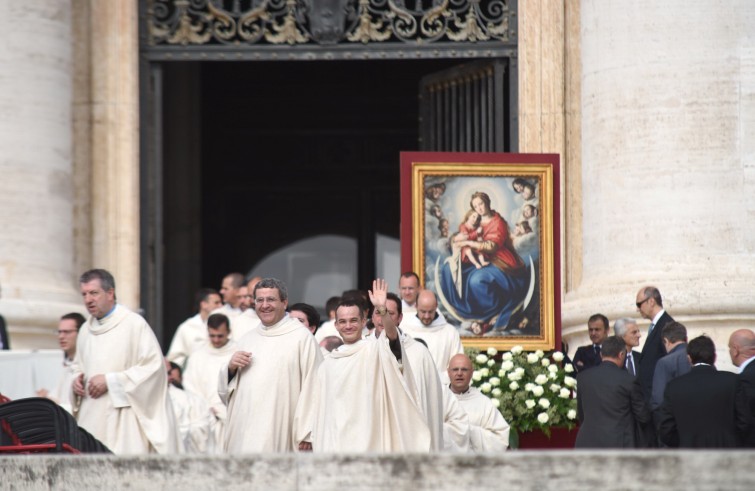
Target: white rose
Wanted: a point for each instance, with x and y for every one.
(552, 368)
(495, 381)
(496, 392)
(513, 376)
(544, 403)
(529, 386)
(539, 353)
(481, 358)
(537, 391)
(545, 362)
(553, 375)
(507, 365)
(491, 363)
(492, 351)
(568, 368)
(564, 393)
(519, 370)
(558, 357)
(485, 372)
(555, 387)
(476, 376)
(496, 402)
(571, 414)
(507, 356)
(485, 387)
(570, 382)
(529, 403)
(516, 350)
(541, 379)
(501, 372)
(513, 386)
(532, 358)
(542, 418)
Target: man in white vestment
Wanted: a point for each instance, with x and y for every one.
(442, 339)
(263, 380)
(328, 328)
(201, 376)
(229, 290)
(408, 287)
(192, 333)
(194, 420)
(360, 401)
(68, 332)
(247, 320)
(120, 376)
(489, 432)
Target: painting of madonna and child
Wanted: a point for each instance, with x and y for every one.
(487, 253)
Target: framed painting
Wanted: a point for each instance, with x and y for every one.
(482, 231)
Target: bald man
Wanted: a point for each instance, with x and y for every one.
(488, 431)
(742, 352)
(428, 324)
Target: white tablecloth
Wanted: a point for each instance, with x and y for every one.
(23, 372)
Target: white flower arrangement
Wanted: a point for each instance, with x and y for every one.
(532, 389)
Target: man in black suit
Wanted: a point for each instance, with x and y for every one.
(609, 402)
(698, 409)
(650, 306)
(588, 356)
(742, 352)
(4, 341)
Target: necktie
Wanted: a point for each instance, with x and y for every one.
(630, 363)
(596, 347)
(650, 329)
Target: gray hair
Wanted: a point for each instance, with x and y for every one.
(621, 326)
(272, 283)
(107, 282)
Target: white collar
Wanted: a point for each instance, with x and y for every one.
(657, 317)
(746, 362)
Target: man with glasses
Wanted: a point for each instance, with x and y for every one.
(68, 332)
(263, 380)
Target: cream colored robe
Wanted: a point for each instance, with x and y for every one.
(189, 337)
(194, 421)
(442, 340)
(456, 428)
(361, 402)
(201, 378)
(429, 389)
(262, 397)
(63, 391)
(243, 324)
(135, 415)
(488, 430)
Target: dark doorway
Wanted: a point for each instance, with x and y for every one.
(258, 155)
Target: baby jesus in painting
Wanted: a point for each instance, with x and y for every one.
(470, 230)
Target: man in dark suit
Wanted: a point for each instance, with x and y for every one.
(742, 352)
(4, 341)
(588, 356)
(609, 402)
(650, 306)
(698, 409)
(675, 363)
(627, 330)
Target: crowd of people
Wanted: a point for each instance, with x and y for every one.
(670, 394)
(251, 372)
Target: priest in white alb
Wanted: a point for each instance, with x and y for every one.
(201, 375)
(120, 383)
(363, 398)
(192, 333)
(428, 324)
(489, 432)
(263, 380)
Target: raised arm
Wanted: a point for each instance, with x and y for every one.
(378, 296)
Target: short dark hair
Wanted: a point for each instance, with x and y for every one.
(216, 320)
(613, 346)
(410, 274)
(272, 283)
(203, 294)
(106, 279)
(313, 317)
(351, 302)
(674, 332)
(395, 298)
(652, 292)
(75, 317)
(702, 350)
(358, 296)
(237, 279)
(332, 342)
(599, 317)
(332, 304)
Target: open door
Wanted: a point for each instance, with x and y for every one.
(469, 108)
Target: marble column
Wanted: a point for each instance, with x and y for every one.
(36, 185)
(668, 162)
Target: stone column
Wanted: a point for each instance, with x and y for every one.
(114, 46)
(668, 162)
(36, 185)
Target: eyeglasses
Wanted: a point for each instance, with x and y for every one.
(639, 304)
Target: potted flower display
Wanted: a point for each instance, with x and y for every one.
(535, 391)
